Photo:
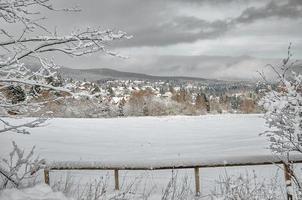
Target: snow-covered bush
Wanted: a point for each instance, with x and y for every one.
(97, 189)
(283, 114)
(19, 168)
(100, 189)
(247, 187)
(178, 189)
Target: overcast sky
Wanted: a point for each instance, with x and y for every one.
(203, 38)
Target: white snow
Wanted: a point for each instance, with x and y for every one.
(151, 140)
(38, 192)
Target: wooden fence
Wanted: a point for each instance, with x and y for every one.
(196, 167)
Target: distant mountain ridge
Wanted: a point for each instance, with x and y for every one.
(98, 74)
(106, 73)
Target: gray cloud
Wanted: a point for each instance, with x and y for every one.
(291, 9)
(160, 23)
(178, 29)
(187, 29)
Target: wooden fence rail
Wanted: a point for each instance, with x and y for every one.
(116, 169)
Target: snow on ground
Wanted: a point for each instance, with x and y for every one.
(145, 139)
(38, 192)
(149, 141)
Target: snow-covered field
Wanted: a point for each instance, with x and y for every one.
(145, 139)
(149, 141)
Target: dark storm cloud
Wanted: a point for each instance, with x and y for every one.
(291, 9)
(173, 37)
(159, 23)
(180, 30)
(184, 29)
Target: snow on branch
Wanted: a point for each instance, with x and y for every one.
(14, 11)
(22, 128)
(283, 115)
(24, 89)
(18, 167)
(283, 106)
(77, 43)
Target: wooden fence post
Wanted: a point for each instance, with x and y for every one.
(288, 182)
(197, 181)
(116, 179)
(46, 176)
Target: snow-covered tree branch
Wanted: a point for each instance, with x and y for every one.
(283, 114)
(283, 106)
(18, 167)
(25, 89)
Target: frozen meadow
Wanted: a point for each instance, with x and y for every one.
(150, 141)
(145, 139)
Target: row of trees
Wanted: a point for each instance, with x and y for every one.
(145, 103)
(182, 102)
